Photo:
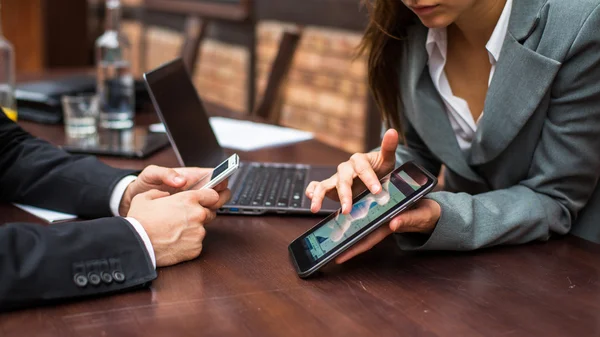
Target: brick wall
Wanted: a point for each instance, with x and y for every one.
(162, 45)
(133, 31)
(221, 74)
(326, 91)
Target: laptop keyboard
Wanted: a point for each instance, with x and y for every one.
(270, 186)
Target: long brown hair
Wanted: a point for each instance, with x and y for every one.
(382, 42)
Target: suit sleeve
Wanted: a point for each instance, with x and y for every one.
(36, 173)
(40, 265)
(43, 264)
(564, 172)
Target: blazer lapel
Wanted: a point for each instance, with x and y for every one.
(426, 109)
(521, 80)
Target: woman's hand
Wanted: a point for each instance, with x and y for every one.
(363, 169)
(422, 218)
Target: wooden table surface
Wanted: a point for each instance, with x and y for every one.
(244, 285)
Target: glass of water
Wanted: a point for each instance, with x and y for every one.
(81, 115)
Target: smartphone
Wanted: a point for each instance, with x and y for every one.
(338, 232)
(220, 173)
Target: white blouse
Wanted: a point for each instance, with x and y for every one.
(462, 121)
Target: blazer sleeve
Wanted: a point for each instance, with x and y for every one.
(564, 172)
(40, 265)
(36, 173)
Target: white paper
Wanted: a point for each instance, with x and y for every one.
(249, 136)
(158, 128)
(47, 215)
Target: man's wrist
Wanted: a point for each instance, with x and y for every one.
(120, 199)
(145, 238)
(125, 203)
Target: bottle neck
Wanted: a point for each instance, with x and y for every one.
(113, 15)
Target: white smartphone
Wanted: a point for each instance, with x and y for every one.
(220, 173)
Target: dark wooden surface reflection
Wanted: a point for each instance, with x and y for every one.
(244, 285)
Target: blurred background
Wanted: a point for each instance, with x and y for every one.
(290, 61)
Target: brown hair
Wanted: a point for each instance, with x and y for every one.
(382, 42)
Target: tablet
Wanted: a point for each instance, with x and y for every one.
(137, 142)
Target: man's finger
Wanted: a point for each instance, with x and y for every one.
(222, 186)
(161, 175)
(206, 198)
(194, 176)
(210, 216)
(155, 194)
(365, 244)
(224, 197)
(193, 172)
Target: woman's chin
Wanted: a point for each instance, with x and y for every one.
(438, 21)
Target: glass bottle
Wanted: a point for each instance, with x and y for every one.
(115, 83)
(7, 77)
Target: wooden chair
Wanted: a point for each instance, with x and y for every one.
(194, 33)
(269, 106)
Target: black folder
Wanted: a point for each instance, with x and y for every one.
(40, 101)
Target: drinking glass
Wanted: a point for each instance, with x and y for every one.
(80, 115)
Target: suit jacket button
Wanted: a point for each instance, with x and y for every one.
(94, 279)
(80, 280)
(106, 277)
(118, 276)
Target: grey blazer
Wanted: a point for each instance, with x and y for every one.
(534, 165)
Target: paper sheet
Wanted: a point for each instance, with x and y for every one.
(47, 215)
(249, 136)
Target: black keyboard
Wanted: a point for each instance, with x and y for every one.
(270, 186)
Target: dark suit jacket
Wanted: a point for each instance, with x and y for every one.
(39, 264)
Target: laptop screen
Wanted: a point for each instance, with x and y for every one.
(181, 110)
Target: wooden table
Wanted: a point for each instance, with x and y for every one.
(244, 285)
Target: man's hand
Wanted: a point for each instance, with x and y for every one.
(167, 180)
(175, 223)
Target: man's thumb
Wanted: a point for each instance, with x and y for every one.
(155, 194)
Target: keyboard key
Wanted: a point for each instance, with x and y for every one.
(298, 188)
(263, 186)
(245, 196)
(286, 188)
(273, 190)
(239, 187)
(259, 178)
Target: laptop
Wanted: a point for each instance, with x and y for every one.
(256, 188)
